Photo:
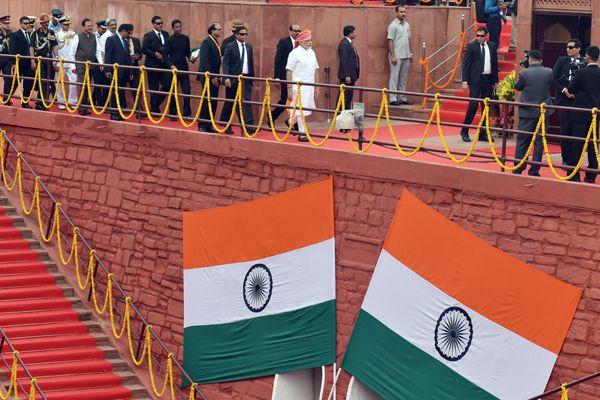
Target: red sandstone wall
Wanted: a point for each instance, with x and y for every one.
(127, 186)
(268, 23)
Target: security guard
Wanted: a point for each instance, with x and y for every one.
(5, 62)
(43, 42)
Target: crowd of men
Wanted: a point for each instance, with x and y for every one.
(110, 43)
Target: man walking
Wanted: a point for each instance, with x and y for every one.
(20, 43)
(210, 61)
(284, 47)
(153, 45)
(563, 75)
(84, 49)
(479, 74)
(302, 66)
(238, 59)
(117, 52)
(5, 62)
(349, 67)
(399, 55)
(585, 89)
(177, 53)
(44, 45)
(65, 38)
(534, 84)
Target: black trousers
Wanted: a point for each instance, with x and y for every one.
(158, 81)
(523, 142)
(348, 94)
(5, 69)
(48, 85)
(134, 82)
(27, 77)
(123, 82)
(205, 113)
(566, 129)
(580, 129)
(93, 76)
(483, 89)
(494, 27)
(183, 80)
(246, 96)
(282, 100)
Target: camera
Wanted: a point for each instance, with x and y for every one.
(525, 62)
(578, 63)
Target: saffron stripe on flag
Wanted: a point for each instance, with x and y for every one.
(505, 290)
(259, 228)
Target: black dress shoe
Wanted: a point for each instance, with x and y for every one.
(40, 106)
(465, 137)
(84, 111)
(302, 138)
(173, 119)
(116, 118)
(588, 179)
(228, 131)
(25, 105)
(534, 174)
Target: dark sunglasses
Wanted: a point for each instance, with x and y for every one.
(571, 47)
(480, 35)
(158, 23)
(296, 30)
(243, 34)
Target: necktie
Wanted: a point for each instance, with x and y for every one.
(160, 37)
(482, 56)
(27, 37)
(243, 53)
(125, 46)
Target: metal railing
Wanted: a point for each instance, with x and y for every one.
(5, 341)
(52, 203)
(502, 130)
(566, 386)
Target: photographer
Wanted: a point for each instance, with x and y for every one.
(563, 75)
(534, 83)
(585, 89)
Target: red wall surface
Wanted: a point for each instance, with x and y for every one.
(127, 185)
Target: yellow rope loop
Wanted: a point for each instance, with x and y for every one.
(338, 107)
(595, 133)
(67, 260)
(54, 226)
(17, 175)
(108, 295)
(34, 196)
(265, 104)
(200, 104)
(42, 95)
(168, 379)
(147, 348)
(113, 323)
(13, 86)
(33, 382)
(193, 391)
(135, 100)
(238, 97)
(147, 105)
(111, 86)
(432, 115)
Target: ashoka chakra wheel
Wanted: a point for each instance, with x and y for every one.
(258, 286)
(453, 333)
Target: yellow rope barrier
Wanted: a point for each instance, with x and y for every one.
(12, 389)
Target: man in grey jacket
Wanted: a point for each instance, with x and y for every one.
(534, 84)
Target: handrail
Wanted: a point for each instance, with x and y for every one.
(566, 386)
(34, 388)
(78, 237)
(357, 144)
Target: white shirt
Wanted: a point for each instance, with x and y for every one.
(245, 68)
(487, 62)
(293, 41)
(399, 33)
(160, 35)
(100, 49)
(65, 44)
(350, 40)
(303, 64)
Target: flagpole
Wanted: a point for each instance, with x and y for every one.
(336, 376)
(334, 386)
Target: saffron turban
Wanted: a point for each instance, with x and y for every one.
(304, 35)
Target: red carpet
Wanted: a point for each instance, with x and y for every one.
(48, 331)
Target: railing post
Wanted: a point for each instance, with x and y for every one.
(51, 219)
(504, 127)
(462, 23)
(423, 55)
(140, 341)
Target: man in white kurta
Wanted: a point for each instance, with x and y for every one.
(64, 37)
(302, 67)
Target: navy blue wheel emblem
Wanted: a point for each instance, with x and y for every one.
(453, 333)
(258, 286)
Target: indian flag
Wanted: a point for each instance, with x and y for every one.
(448, 316)
(259, 286)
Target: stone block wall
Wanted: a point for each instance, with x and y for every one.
(127, 185)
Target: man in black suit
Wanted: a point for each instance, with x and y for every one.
(534, 84)
(585, 90)
(479, 74)
(563, 75)
(135, 51)
(153, 47)
(210, 61)
(284, 47)
(5, 62)
(117, 51)
(20, 43)
(177, 54)
(237, 59)
(349, 67)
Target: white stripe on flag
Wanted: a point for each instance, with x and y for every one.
(301, 278)
(498, 360)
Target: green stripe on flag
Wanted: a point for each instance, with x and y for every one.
(293, 340)
(395, 369)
